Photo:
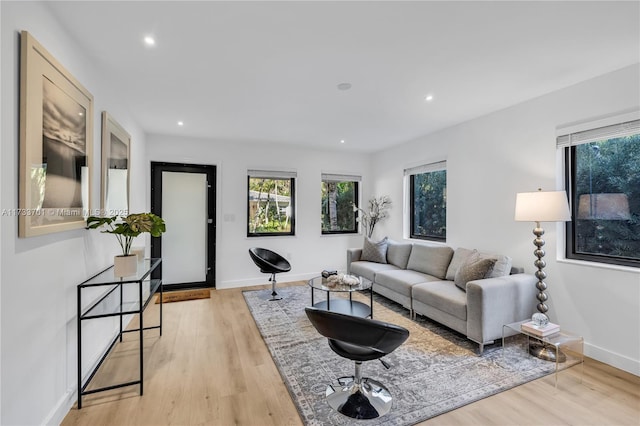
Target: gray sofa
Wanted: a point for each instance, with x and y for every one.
(421, 278)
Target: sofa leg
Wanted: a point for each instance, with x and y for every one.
(481, 346)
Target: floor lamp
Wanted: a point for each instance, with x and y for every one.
(542, 206)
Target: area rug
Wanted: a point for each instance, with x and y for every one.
(436, 370)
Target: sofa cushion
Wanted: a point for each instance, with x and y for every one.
(401, 280)
(475, 267)
(442, 295)
(374, 251)
(398, 254)
(459, 256)
(368, 270)
(432, 260)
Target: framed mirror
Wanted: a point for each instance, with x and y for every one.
(116, 167)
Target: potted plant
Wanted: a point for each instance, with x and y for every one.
(126, 229)
(378, 210)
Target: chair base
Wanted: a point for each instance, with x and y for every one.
(367, 400)
(270, 295)
(274, 294)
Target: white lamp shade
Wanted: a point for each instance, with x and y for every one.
(542, 206)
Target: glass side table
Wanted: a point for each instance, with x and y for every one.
(562, 342)
(344, 306)
(117, 297)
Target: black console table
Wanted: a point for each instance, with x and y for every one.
(110, 303)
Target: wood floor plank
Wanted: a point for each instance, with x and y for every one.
(211, 367)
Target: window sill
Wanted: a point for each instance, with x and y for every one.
(426, 241)
(342, 234)
(598, 265)
(255, 237)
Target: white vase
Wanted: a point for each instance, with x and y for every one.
(125, 266)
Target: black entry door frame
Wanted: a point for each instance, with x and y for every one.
(157, 168)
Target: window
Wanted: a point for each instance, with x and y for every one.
(602, 168)
(339, 196)
(271, 206)
(428, 201)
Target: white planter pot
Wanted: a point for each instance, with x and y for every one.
(125, 266)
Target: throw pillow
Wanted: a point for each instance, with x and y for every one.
(459, 256)
(374, 251)
(474, 268)
(502, 268)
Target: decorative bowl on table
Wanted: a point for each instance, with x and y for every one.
(342, 279)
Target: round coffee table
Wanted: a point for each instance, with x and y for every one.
(342, 305)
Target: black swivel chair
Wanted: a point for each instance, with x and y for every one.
(358, 339)
(272, 263)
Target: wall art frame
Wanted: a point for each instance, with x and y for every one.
(56, 139)
(116, 167)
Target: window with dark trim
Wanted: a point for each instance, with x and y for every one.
(271, 203)
(428, 201)
(602, 171)
(339, 196)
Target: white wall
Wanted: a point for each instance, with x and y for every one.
(39, 274)
(309, 252)
(489, 160)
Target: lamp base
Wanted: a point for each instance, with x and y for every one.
(546, 352)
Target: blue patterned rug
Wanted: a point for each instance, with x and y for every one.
(435, 371)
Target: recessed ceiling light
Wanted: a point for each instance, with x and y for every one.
(341, 140)
(344, 86)
(81, 113)
(180, 123)
(428, 98)
(149, 41)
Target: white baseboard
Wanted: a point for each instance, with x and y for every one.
(65, 404)
(61, 409)
(611, 358)
(282, 278)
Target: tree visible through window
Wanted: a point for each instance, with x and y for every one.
(339, 200)
(271, 206)
(428, 203)
(604, 176)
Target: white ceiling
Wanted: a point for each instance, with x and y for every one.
(268, 71)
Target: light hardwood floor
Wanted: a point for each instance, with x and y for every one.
(211, 367)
